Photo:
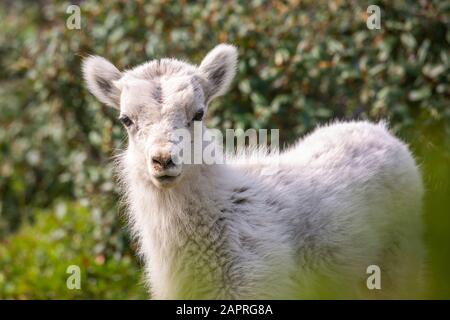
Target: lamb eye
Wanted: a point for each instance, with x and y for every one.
(198, 116)
(126, 121)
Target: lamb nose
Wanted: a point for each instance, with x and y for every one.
(163, 161)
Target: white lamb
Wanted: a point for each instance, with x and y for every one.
(344, 197)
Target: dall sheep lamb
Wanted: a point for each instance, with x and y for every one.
(345, 197)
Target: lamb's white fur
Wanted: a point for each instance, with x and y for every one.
(344, 197)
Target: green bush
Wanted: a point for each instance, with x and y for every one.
(302, 63)
(34, 262)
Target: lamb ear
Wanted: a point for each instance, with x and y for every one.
(100, 75)
(219, 69)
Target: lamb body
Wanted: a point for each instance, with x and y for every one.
(344, 197)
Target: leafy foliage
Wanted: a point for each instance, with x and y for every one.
(302, 63)
(34, 262)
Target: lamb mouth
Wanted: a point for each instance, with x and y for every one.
(166, 178)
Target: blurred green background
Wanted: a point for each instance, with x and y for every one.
(302, 63)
